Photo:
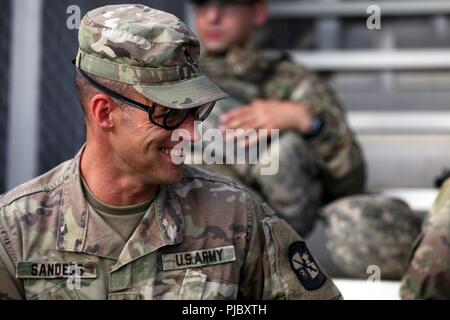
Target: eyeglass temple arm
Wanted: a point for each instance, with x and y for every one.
(111, 93)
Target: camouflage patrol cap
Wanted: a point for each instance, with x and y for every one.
(374, 230)
(149, 49)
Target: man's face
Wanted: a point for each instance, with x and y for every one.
(220, 27)
(144, 149)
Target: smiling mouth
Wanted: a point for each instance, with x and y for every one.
(173, 152)
(213, 34)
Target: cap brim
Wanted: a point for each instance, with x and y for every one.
(183, 95)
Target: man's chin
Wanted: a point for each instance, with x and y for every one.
(216, 48)
(174, 175)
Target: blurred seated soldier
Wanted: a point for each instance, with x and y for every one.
(320, 159)
(428, 276)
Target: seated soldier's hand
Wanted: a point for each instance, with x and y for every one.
(267, 114)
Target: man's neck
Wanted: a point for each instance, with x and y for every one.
(108, 182)
(236, 47)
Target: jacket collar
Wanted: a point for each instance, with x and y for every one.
(81, 229)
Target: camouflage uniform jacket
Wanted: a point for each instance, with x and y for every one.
(428, 276)
(247, 74)
(203, 238)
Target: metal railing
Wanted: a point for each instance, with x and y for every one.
(400, 122)
(326, 9)
(373, 60)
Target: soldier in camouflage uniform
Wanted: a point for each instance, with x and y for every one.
(121, 220)
(428, 276)
(319, 158)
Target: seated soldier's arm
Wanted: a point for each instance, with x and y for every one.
(335, 146)
(428, 275)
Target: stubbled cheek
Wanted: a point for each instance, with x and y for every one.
(156, 139)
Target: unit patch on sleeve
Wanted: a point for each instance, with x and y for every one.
(304, 266)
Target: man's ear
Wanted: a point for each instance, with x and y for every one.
(101, 107)
(261, 14)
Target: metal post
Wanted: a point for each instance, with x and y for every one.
(24, 97)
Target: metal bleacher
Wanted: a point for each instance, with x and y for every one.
(397, 96)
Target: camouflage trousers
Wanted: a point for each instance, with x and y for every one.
(295, 191)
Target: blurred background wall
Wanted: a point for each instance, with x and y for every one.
(394, 82)
(5, 35)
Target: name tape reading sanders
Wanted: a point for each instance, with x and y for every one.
(27, 269)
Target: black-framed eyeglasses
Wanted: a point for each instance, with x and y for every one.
(166, 118)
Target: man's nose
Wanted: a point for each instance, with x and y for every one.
(212, 13)
(190, 126)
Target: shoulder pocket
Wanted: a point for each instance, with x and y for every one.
(49, 289)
